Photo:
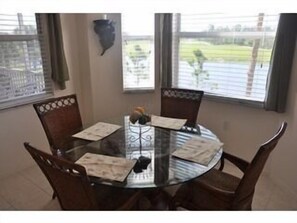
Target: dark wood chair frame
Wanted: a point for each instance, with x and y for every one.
(60, 118)
(239, 196)
(71, 183)
(181, 103)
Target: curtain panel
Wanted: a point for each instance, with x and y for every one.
(281, 63)
(52, 39)
(164, 36)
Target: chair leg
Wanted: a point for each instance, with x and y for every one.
(172, 206)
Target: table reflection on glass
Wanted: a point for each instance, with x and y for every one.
(152, 148)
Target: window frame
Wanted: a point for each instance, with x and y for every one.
(29, 99)
(178, 35)
(138, 37)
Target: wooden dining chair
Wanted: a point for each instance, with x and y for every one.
(73, 188)
(60, 118)
(181, 103)
(217, 190)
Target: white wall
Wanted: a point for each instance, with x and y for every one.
(21, 124)
(105, 73)
(284, 158)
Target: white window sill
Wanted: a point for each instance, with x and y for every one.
(138, 91)
(237, 101)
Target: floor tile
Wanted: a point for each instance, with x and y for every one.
(51, 205)
(263, 192)
(281, 200)
(4, 205)
(30, 190)
(35, 175)
(21, 194)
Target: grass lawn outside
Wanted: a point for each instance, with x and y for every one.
(216, 53)
(219, 53)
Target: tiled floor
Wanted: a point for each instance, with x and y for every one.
(29, 190)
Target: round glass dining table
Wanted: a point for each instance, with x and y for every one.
(152, 148)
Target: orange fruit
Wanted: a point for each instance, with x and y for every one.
(140, 109)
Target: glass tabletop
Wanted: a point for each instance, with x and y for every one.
(152, 148)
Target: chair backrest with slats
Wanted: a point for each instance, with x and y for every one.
(69, 181)
(60, 118)
(248, 182)
(181, 103)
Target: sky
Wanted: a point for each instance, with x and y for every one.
(11, 21)
(138, 23)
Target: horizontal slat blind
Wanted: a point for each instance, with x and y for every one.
(138, 51)
(225, 55)
(23, 76)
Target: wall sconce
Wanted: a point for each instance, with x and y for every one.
(104, 28)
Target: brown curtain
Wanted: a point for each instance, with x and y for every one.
(164, 38)
(51, 38)
(281, 63)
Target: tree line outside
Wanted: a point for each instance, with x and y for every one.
(21, 54)
(219, 53)
(228, 49)
(195, 52)
(20, 65)
(139, 50)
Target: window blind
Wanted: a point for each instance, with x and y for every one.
(23, 76)
(138, 51)
(225, 55)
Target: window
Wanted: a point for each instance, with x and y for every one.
(138, 51)
(225, 55)
(22, 76)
